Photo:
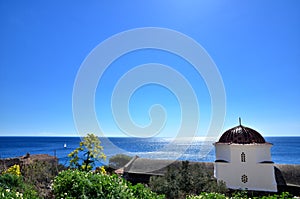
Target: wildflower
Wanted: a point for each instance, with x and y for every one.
(102, 170)
(15, 169)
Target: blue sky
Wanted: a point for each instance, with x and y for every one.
(255, 45)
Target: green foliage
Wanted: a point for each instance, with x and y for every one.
(83, 184)
(7, 193)
(10, 181)
(205, 195)
(185, 180)
(283, 195)
(14, 194)
(239, 195)
(118, 161)
(89, 151)
(32, 181)
(13, 186)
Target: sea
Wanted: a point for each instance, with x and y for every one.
(285, 150)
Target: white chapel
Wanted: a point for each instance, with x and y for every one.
(243, 160)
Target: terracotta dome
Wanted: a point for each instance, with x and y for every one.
(241, 135)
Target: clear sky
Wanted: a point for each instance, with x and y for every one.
(255, 45)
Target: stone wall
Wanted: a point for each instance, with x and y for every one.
(290, 173)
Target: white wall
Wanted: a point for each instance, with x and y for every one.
(223, 152)
(260, 176)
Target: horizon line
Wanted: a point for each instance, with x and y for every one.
(125, 136)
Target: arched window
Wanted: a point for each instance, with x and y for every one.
(243, 157)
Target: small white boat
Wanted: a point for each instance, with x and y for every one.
(65, 145)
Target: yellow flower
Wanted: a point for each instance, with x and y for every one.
(102, 170)
(15, 169)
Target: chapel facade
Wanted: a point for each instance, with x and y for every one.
(243, 160)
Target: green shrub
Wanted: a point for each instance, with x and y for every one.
(9, 181)
(283, 195)
(118, 161)
(180, 181)
(13, 186)
(140, 191)
(8, 193)
(239, 195)
(82, 184)
(205, 195)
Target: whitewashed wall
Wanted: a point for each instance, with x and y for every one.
(260, 176)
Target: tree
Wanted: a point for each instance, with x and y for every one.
(186, 179)
(91, 151)
(119, 160)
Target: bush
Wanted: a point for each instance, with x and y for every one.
(239, 195)
(185, 180)
(119, 161)
(7, 193)
(13, 186)
(82, 184)
(205, 195)
(9, 181)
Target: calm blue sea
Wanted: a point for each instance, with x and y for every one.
(285, 150)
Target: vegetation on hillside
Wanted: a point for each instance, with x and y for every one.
(40, 174)
(12, 185)
(29, 181)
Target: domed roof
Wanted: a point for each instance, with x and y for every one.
(241, 135)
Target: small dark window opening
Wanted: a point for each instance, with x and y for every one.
(243, 157)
